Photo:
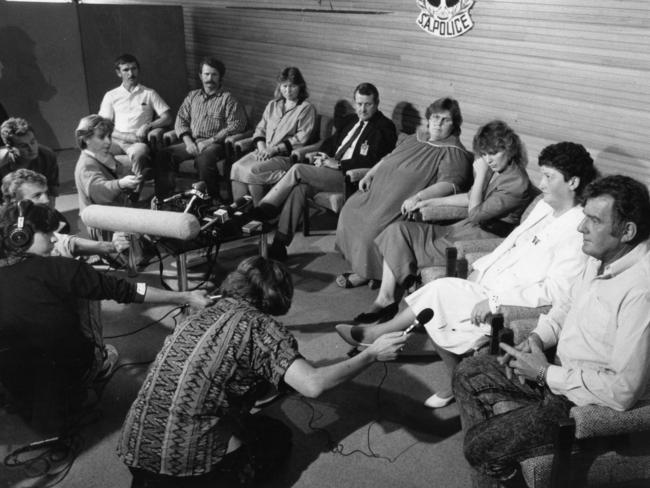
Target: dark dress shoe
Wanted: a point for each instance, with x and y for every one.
(264, 212)
(278, 252)
(383, 314)
(351, 334)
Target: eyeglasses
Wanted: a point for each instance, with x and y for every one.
(440, 119)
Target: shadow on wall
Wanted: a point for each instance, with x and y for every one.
(406, 117)
(615, 160)
(342, 108)
(23, 84)
(262, 95)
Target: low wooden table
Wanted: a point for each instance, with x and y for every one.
(179, 249)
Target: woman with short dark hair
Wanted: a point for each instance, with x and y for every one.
(287, 123)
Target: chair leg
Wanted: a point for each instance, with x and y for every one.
(305, 218)
(561, 468)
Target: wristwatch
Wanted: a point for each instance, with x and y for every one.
(494, 303)
(541, 375)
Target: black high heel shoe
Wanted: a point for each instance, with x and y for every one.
(383, 314)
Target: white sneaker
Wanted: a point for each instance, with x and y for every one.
(435, 401)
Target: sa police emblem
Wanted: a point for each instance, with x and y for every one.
(445, 18)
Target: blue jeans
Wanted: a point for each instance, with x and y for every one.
(504, 421)
(169, 158)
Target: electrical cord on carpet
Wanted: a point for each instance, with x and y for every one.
(340, 448)
(55, 456)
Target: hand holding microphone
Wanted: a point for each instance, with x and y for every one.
(129, 182)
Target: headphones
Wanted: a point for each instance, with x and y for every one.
(21, 234)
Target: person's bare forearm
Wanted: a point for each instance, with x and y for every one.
(312, 382)
(440, 189)
(87, 247)
(164, 120)
(124, 136)
(476, 192)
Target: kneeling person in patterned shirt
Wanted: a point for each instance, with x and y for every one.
(190, 424)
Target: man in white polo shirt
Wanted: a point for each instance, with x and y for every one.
(135, 110)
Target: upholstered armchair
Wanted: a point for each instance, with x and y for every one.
(323, 129)
(331, 201)
(595, 446)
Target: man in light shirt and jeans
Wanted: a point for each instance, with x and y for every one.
(509, 406)
(135, 110)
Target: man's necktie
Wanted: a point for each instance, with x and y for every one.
(339, 154)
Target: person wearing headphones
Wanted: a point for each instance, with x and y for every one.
(25, 184)
(51, 350)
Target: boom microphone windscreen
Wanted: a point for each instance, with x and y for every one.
(174, 225)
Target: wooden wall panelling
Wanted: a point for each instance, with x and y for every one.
(555, 70)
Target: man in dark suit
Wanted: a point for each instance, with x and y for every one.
(366, 137)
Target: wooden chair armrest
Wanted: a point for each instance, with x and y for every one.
(447, 212)
(514, 312)
(231, 139)
(229, 142)
(156, 134)
(242, 146)
(169, 138)
(473, 256)
(299, 154)
(352, 178)
(309, 157)
(356, 175)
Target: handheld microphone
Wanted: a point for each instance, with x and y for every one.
(144, 175)
(506, 336)
(173, 197)
(198, 191)
(423, 317)
(242, 203)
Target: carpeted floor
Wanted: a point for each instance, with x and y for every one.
(372, 432)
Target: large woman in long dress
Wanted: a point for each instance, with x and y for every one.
(420, 168)
(287, 123)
